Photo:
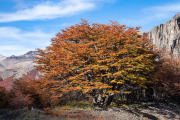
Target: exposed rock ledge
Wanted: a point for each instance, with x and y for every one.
(167, 36)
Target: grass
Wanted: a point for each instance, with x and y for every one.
(80, 104)
(25, 114)
(70, 105)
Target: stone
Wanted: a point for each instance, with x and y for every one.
(166, 36)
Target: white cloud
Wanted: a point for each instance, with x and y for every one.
(13, 34)
(15, 42)
(165, 8)
(8, 50)
(49, 10)
(20, 4)
(154, 14)
(162, 12)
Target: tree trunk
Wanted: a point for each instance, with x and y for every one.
(102, 102)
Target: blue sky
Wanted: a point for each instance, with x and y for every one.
(30, 24)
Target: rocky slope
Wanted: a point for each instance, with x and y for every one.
(167, 36)
(15, 67)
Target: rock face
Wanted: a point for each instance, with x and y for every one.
(15, 67)
(167, 36)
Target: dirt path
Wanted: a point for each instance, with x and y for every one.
(151, 111)
(146, 111)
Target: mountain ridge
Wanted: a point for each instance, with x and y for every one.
(15, 67)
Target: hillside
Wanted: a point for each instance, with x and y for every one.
(15, 67)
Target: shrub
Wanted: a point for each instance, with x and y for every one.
(21, 100)
(4, 98)
(25, 93)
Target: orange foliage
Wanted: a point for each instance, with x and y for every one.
(21, 100)
(25, 93)
(87, 56)
(167, 75)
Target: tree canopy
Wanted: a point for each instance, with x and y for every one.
(90, 57)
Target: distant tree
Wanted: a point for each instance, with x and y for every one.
(98, 59)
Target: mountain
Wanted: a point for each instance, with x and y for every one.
(15, 67)
(167, 36)
(2, 57)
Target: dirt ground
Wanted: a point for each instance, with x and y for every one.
(148, 111)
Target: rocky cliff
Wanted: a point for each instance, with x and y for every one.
(167, 36)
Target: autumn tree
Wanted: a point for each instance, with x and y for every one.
(99, 59)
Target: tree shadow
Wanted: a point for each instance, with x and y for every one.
(152, 111)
